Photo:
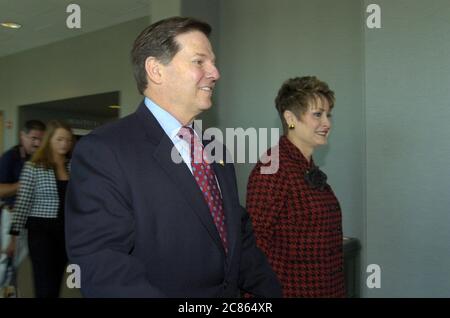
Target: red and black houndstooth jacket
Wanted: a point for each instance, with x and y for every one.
(298, 227)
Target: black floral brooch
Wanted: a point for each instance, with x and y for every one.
(316, 178)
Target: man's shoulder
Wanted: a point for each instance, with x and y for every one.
(15, 150)
(10, 165)
(12, 154)
(113, 130)
(113, 135)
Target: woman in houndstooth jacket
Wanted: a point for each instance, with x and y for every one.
(296, 216)
(40, 207)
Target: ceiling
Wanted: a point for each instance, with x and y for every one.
(44, 21)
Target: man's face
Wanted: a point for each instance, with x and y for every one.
(31, 141)
(189, 79)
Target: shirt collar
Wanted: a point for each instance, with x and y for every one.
(169, 124)
(171, 127)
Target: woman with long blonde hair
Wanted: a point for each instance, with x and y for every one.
(40, 207)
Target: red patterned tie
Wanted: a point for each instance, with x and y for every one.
(206, 180)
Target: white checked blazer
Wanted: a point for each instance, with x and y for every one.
(37, 196)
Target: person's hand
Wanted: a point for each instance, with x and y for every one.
(11, 249)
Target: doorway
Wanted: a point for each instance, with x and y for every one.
(83, 113)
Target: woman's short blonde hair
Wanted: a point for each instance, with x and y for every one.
(297, 94)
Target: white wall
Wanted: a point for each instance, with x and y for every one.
(408, 148)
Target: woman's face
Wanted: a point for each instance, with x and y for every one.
(313, 127)
(61, 142)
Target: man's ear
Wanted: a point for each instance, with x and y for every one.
(153, 69)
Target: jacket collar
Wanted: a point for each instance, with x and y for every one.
(184, 180)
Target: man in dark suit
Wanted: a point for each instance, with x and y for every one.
(141, 225)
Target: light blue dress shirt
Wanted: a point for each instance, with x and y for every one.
(171, 127)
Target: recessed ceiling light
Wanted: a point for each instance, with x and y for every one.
(114, 106)
(11, 25)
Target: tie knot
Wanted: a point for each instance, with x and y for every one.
(186, 133)
(196, 147)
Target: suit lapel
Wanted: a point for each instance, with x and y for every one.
(180, 175)
(231, 216)
(227, 189)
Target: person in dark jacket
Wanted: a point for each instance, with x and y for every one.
(11, 165)
(139, 222)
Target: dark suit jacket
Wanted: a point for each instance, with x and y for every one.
(138, 226)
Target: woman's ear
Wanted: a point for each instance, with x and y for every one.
(289, 117)
(153, 70)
